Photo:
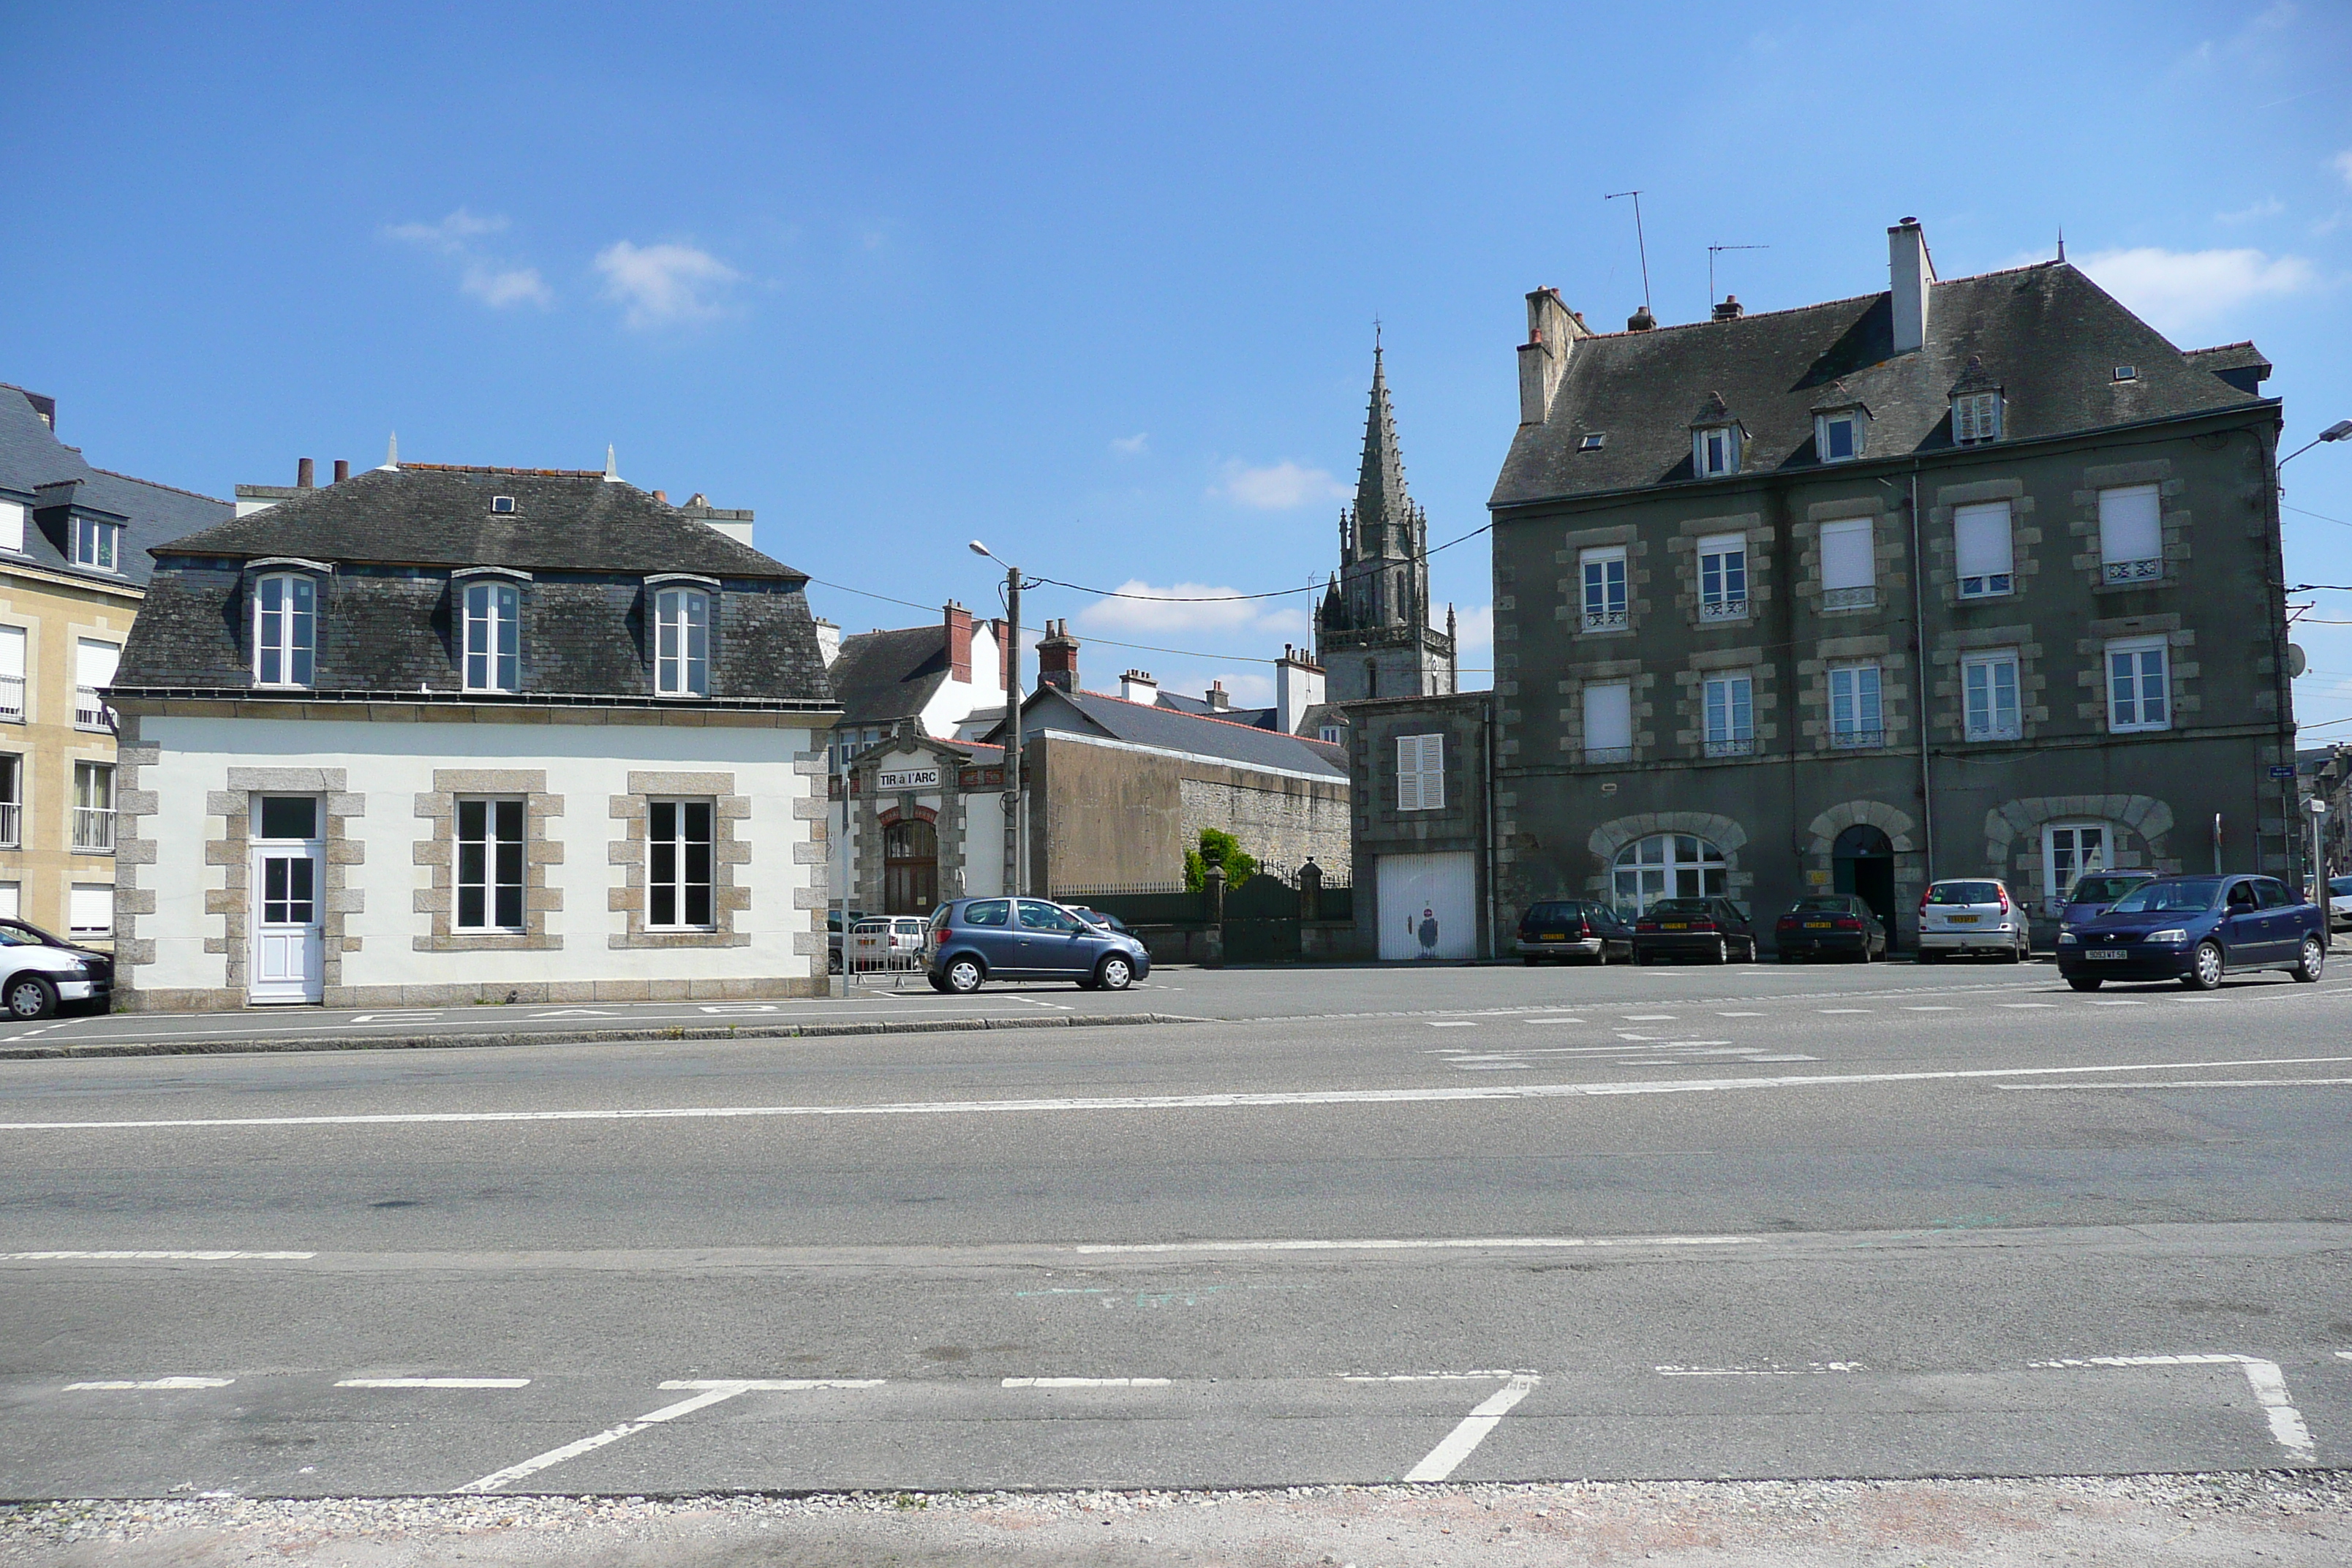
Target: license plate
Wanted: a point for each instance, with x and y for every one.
(1961, 920)
(2108, 952)
(1674, 925)
(1554, 936)
(1817, 925)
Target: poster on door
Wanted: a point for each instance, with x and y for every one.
(1428, 907)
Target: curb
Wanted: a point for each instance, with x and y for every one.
(575, 1036)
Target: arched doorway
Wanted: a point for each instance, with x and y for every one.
(911, 867)
(1862, 862)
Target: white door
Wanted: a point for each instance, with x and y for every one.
(1428, 905)
(286, 947)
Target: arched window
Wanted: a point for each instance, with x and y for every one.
(682, 643)
(493, 638)
(285, 630)
(1668, 866)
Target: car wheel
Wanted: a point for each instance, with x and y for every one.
(938, 984)
(1114, 974)
(31, 997)
(2312, 961)
(964, 976)
(2016, 955)
(2083, 982)
(2207, 974)
(1722, 951)
(833, 961)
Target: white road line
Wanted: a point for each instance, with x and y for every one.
(2116, 1001)
(1832, 1011)
(1223, 1102)
(1739, 1015)
(1468, 1376)
(1464, 1440)
(1087, 1382)
(2022, 1005)
(1549, 1019)
(1452, 1024)
(1648, 1017)
(713, 1392)
(118, 1385)
(1415, 1244)
(2263, 1377)
(768, 1385)
(2344, 1355)
(1909, 1009)
(1768, 1369)
(434, 1382)
(2195, 1083)
(155, 1257)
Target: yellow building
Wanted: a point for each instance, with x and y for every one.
(73, 569)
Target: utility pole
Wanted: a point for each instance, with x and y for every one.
(1016, 869)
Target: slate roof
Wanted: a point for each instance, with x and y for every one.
(54, 480)
(1255, 718)
(880, 676)
(2046, 333)
(1166, 730)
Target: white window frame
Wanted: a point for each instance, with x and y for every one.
(1662, 866)
(1858, 706)
(93, 808)
(1420, 773)
(79, 893)
(1985, 584)
(1607, 603)
(1857, 428)
(486, 879)
(2119, 564)
(12, 800)
(12, 526)
(682, 642)
(1723, 577)
(1727, 704)
(1980, 677)
(1862, 593)
(677, 877)
(1715, 450)
(2127, 714)
(1332, 734)
(491, 618)
(1976, 418)
(16, 644)
(288, 633)
(1603, 747)
(90, 711)
(97, 543)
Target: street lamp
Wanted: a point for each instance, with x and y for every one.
(2336, 432)
(1015, 878)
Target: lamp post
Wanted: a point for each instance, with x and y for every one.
(1015, 864)
(2340, 430)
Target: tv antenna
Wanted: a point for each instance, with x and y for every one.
(1714, 250)
(1643, 245)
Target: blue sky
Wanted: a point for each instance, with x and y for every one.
(1097, 284)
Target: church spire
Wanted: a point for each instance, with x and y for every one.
(1382, 500)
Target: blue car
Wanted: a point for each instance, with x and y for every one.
(973, 941)
(2195, 929)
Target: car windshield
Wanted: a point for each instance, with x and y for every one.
(1825, 904)
(2178, 893)
(1964, 893)
(1555, 912)
(2102, 890)
(1682, 907)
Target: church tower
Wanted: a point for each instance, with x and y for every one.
(1372, 632)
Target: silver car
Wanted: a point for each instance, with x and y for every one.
(1972, 914)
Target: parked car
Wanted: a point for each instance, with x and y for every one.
(1712, 929)
(833, 936)
(972, 941)
(44, 971)
(1972, 914)
(2195, 929)
(2340, 903)
(1557, 930)
(880, 944)
(1830, 925)
(2095, 892)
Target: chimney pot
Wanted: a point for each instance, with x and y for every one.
(662, 496)
(1641, 320)
(342, 470)
(305, 474)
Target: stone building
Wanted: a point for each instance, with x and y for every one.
(1973, 577)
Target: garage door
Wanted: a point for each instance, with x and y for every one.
(1428, 905)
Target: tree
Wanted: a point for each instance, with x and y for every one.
(1218, 848)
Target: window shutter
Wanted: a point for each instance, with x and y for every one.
(1980, 536)
(11, 525)
(91, 907)
(2131, 524)
(1608, 717)
(1846, 555)
(1408, 773)
(94, 663)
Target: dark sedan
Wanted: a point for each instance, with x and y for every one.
(1712, 930)
(2195, 929)
(1830, 925)
(1557, 929)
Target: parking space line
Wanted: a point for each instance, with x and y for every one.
(713, 1391)
(1464, 1440)
(2268, 1382)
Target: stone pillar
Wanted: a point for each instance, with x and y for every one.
(1310, 890)
(1213, 913)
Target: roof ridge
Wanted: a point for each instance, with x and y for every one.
(1821, 304)
(156, 484)
(1204, 718)
(493, 468)
(2218, 348)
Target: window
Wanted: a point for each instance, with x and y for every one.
(489, 865)
(1723, 577)
(93, 820)
(285, 630)
(12, 526)
(1591, 441)
(502, 503)
(2069, 851)
(289, 890)
(97, 543)
(2131, 534)
(1604, 589)
(493, 638)
(287, 817)
(12, 801)
(1608, 722)
(12, 674)
(2138, 690)
(1989, 688)
(1731, 716)
(679, 861)
(1420, 773)
(1980, 542)
(682, 651)
(1855, 717)
(1838, 437)
(1715, 450)
(994, 913)
(1976, 416)
(89, 910)
(1668, 866)
(94, 665)
(2127, 372)
(1849, 564)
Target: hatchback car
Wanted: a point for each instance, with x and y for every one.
(1709, 928)
(44, 971)
(973, 941)
(2095, 892)
(1557, 930)
(2195, 929)
(1972, 914)
(1830, 925)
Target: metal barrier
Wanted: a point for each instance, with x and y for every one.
(884, 949)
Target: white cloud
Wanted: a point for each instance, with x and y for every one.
(1279, 487)
(2269, 207)
(659, 285)
(451, 236)
(2343, 164)
(496, 283)
(1135, 446)
(502, 286)
(2183, 291)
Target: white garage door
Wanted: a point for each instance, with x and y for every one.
(1428, 905)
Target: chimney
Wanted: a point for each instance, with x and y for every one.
(662, 496)
(1057, 657)
(1297, 687)
(828, 640)
(1730, 310)
(342, 470)
(1137, 686)
(1552, 330)
(1911, 269)
(1219, 700)
(306, 475)
(1641, 320)
(958, 643)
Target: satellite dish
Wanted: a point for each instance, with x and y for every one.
(2295, 663)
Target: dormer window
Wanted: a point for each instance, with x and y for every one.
(285, 630)
(1715, 439)
(97, 543)
(1840, 426)
(493, 621)
(1976, 405)
(2127, 372)
(682, 642)
(502, 503)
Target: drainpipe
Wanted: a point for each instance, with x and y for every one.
(1919, 638)
(1486, 745)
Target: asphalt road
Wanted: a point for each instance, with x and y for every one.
(1487, 1223)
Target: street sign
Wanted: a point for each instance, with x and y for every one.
(921, 778)
(2282, 770)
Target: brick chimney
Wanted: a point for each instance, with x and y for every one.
(1057, 657)
(1220, 700)
(342, 470)
(1137, 686)
(1552, 330)
(1912, 272)
(305, 474)
(958, 643)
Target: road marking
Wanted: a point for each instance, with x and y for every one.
(1908, 1010)
(2196, 1083)
(155, 1257)
(1834, 1011)
(1220, 1101)
(393, 1018)
(732, 1009)
(2114, 1002)
(117, 1386)
(1768, 1369)
(434, 1382)
(1739, 1015)
(1452, 1376)
(713, 1392)
(1551, 1020)
(578, 1012)
(2263, 1377)
(1087, 1382)
(2025, 1005)
(1452, 1024)
(1464, 1440)
(1648, 1017)
(1413, 1244)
